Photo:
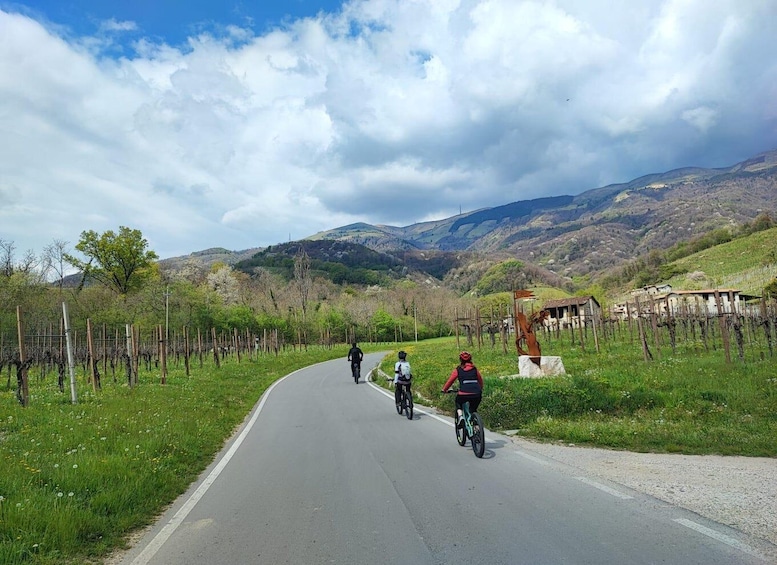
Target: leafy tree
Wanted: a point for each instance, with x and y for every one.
(384, 325)
(503, 277)
(120, 261)
(762, 221)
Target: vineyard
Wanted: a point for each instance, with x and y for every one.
(55, 352)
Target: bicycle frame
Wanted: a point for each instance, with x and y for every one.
(405, 401)
(469, 426)
(467, 419)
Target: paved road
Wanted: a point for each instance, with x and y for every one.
(325, 471)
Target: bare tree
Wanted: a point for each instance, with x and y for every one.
(28, 264)
(7, 249)
(53, 259)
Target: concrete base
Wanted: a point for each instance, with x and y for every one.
(549, 367)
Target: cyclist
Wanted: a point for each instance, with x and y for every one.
(470, 384)
(402, 376)
(355, 356)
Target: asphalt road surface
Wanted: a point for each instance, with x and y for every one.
(326, 471)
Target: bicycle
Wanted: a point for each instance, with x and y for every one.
(356, 372)
(405, 402)
(469, 425)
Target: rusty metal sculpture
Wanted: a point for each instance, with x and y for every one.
(524, 333)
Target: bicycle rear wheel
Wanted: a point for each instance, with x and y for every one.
(409, 404)
(461, 430)
(478, 436)
(400, 404)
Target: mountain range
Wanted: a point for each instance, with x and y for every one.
(571, 236)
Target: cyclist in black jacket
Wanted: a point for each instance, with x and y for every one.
(470, 383)
(355, 356)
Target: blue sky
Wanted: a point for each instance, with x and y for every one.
(239, 125)
(172, 21)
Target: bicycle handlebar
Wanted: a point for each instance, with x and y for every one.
(450, 390)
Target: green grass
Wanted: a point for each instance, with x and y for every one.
(746, 263)
(75, 479)
(691, 402)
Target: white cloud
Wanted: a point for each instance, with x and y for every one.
(113, 25)
(390, 111)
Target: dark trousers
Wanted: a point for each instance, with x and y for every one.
(398, 388)
(473, 399)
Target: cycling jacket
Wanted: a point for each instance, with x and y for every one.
(470, 380)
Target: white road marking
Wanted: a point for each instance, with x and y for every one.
(604, 488)
(164, 534)
(718, 536)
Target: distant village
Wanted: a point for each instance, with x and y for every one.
(662, 300)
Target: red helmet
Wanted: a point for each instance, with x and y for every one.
(464, 356)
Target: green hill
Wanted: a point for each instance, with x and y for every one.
(747, 263)
(341, 262)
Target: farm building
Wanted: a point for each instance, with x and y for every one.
(572, 312)
(677, 302)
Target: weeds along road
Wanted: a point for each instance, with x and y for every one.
(326, 471)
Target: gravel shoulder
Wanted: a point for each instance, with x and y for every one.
(740, 492)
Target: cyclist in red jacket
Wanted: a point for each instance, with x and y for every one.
(470, 384)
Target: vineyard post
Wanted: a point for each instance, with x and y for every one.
(628, 317)
(162, 354)
(186, 349)
(654, 324)
(647, 356)
(199, 345)
(595, 320)
(104, 348)
(135, 353)
(215, 348)
(93, 370)
(723, 327)
(236, 340)
(24, 390)
(128, 335)
(767, 328)
(70, 362)
(60, 357)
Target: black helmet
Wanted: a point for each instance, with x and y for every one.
(402, 355)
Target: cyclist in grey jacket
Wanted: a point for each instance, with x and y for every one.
(402, 376)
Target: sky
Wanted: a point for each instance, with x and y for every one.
(246, 124)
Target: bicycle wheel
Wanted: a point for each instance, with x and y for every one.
(409, 404)
(461, 431)
(355, 369)
(400, 403)
(478, 436)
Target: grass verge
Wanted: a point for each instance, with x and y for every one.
(693, 403)
(76, 479)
